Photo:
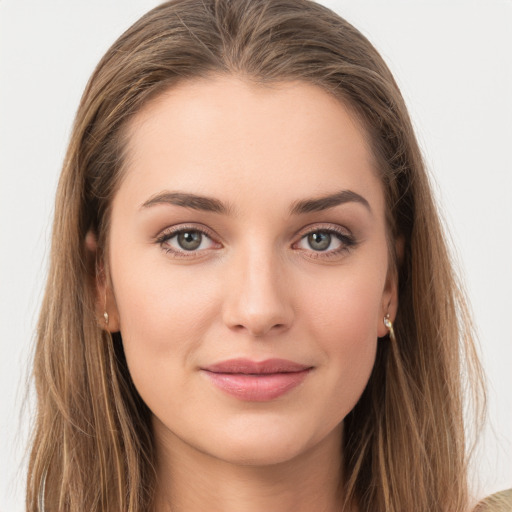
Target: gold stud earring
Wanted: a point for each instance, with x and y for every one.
(389, 324)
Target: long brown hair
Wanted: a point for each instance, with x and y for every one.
(404, 443)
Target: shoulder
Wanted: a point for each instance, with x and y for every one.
(499, 502)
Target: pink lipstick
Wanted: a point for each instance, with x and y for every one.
(256, 381)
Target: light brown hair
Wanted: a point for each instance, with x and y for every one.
(404, 444)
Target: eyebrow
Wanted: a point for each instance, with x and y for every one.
(210, 204)
(187, 200)
(330, 201)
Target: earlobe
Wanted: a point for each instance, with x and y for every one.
(106, 307)
(389, 326)
(91, 243)
(109, 316)
(389, 304)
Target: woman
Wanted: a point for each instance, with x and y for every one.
(250, 303)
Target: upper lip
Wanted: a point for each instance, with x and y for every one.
(246, 366)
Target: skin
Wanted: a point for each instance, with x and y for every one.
(256, 287)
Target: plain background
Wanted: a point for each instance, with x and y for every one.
(452, 60)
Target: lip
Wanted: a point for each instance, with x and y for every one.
(256, 381)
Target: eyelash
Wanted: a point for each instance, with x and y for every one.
(348, 242)
(172, 232)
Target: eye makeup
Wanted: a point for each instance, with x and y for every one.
(320, 241)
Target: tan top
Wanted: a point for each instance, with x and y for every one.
(499, 502)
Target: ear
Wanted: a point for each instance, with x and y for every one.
(105, 300)
(389, 303)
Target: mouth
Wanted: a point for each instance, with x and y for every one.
(255, 381)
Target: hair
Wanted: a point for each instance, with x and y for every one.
(404, 443)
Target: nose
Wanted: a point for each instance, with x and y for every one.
(258, 297)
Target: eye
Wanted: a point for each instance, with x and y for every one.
(189, 240)
(186, 240)
(320, 240)
(330, 242)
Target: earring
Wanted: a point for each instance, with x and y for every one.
(389, 325)
(105, 314)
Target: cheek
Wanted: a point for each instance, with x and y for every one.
(344, 321)
(159, 301)
(347, 305)
(161, 311)
(164, 316)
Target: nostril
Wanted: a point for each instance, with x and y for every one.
(258, 333)
(260, 305)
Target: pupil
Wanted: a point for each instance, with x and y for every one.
(319, 241)
(189, 240)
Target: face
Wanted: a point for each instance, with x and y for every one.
(249, 266)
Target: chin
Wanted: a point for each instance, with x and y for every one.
(264, 445)
(258, 453)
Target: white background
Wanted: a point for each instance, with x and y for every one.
(452, 60)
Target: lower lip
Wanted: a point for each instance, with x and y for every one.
(257, 388)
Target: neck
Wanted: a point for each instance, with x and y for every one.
(190, 481)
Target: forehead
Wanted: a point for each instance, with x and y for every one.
(226, 137)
